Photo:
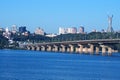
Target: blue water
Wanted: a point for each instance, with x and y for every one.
(35, 65)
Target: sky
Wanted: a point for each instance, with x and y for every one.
(52, 14)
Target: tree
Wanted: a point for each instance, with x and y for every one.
(3, 42)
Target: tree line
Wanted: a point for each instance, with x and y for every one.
(65, 37)
(33, 38)
(3, 41)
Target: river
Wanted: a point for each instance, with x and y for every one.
(35, 65)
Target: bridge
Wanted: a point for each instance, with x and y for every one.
(106, 46)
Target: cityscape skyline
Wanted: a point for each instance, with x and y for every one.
(50, 15)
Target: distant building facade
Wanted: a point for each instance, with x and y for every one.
(62, 30)
(71, 30)
(39, 31)
(81, 30)
(14, 29)
(22, 29)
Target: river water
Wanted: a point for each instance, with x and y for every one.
(35, 65)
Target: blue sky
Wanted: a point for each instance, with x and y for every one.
(52, 14)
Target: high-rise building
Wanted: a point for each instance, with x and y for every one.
(68, 30)
(110, 29)
(14, 29)
(62, 30)
(22, 29)
(39, 31)
(72, 30)
(81, 30)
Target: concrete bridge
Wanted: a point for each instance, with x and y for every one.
(106, 46)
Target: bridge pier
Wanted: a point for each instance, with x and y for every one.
(28, 47)
(42, 48)
(91, 49)
(103, 50)
(71, 48)
(80, 48)
(97, 50)
(109, 51)
(85, 50)
(55, 48)
(76, 49)
(62, 48)
(49, 48)
(32, 48)
(37, 48)
(68, 49)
